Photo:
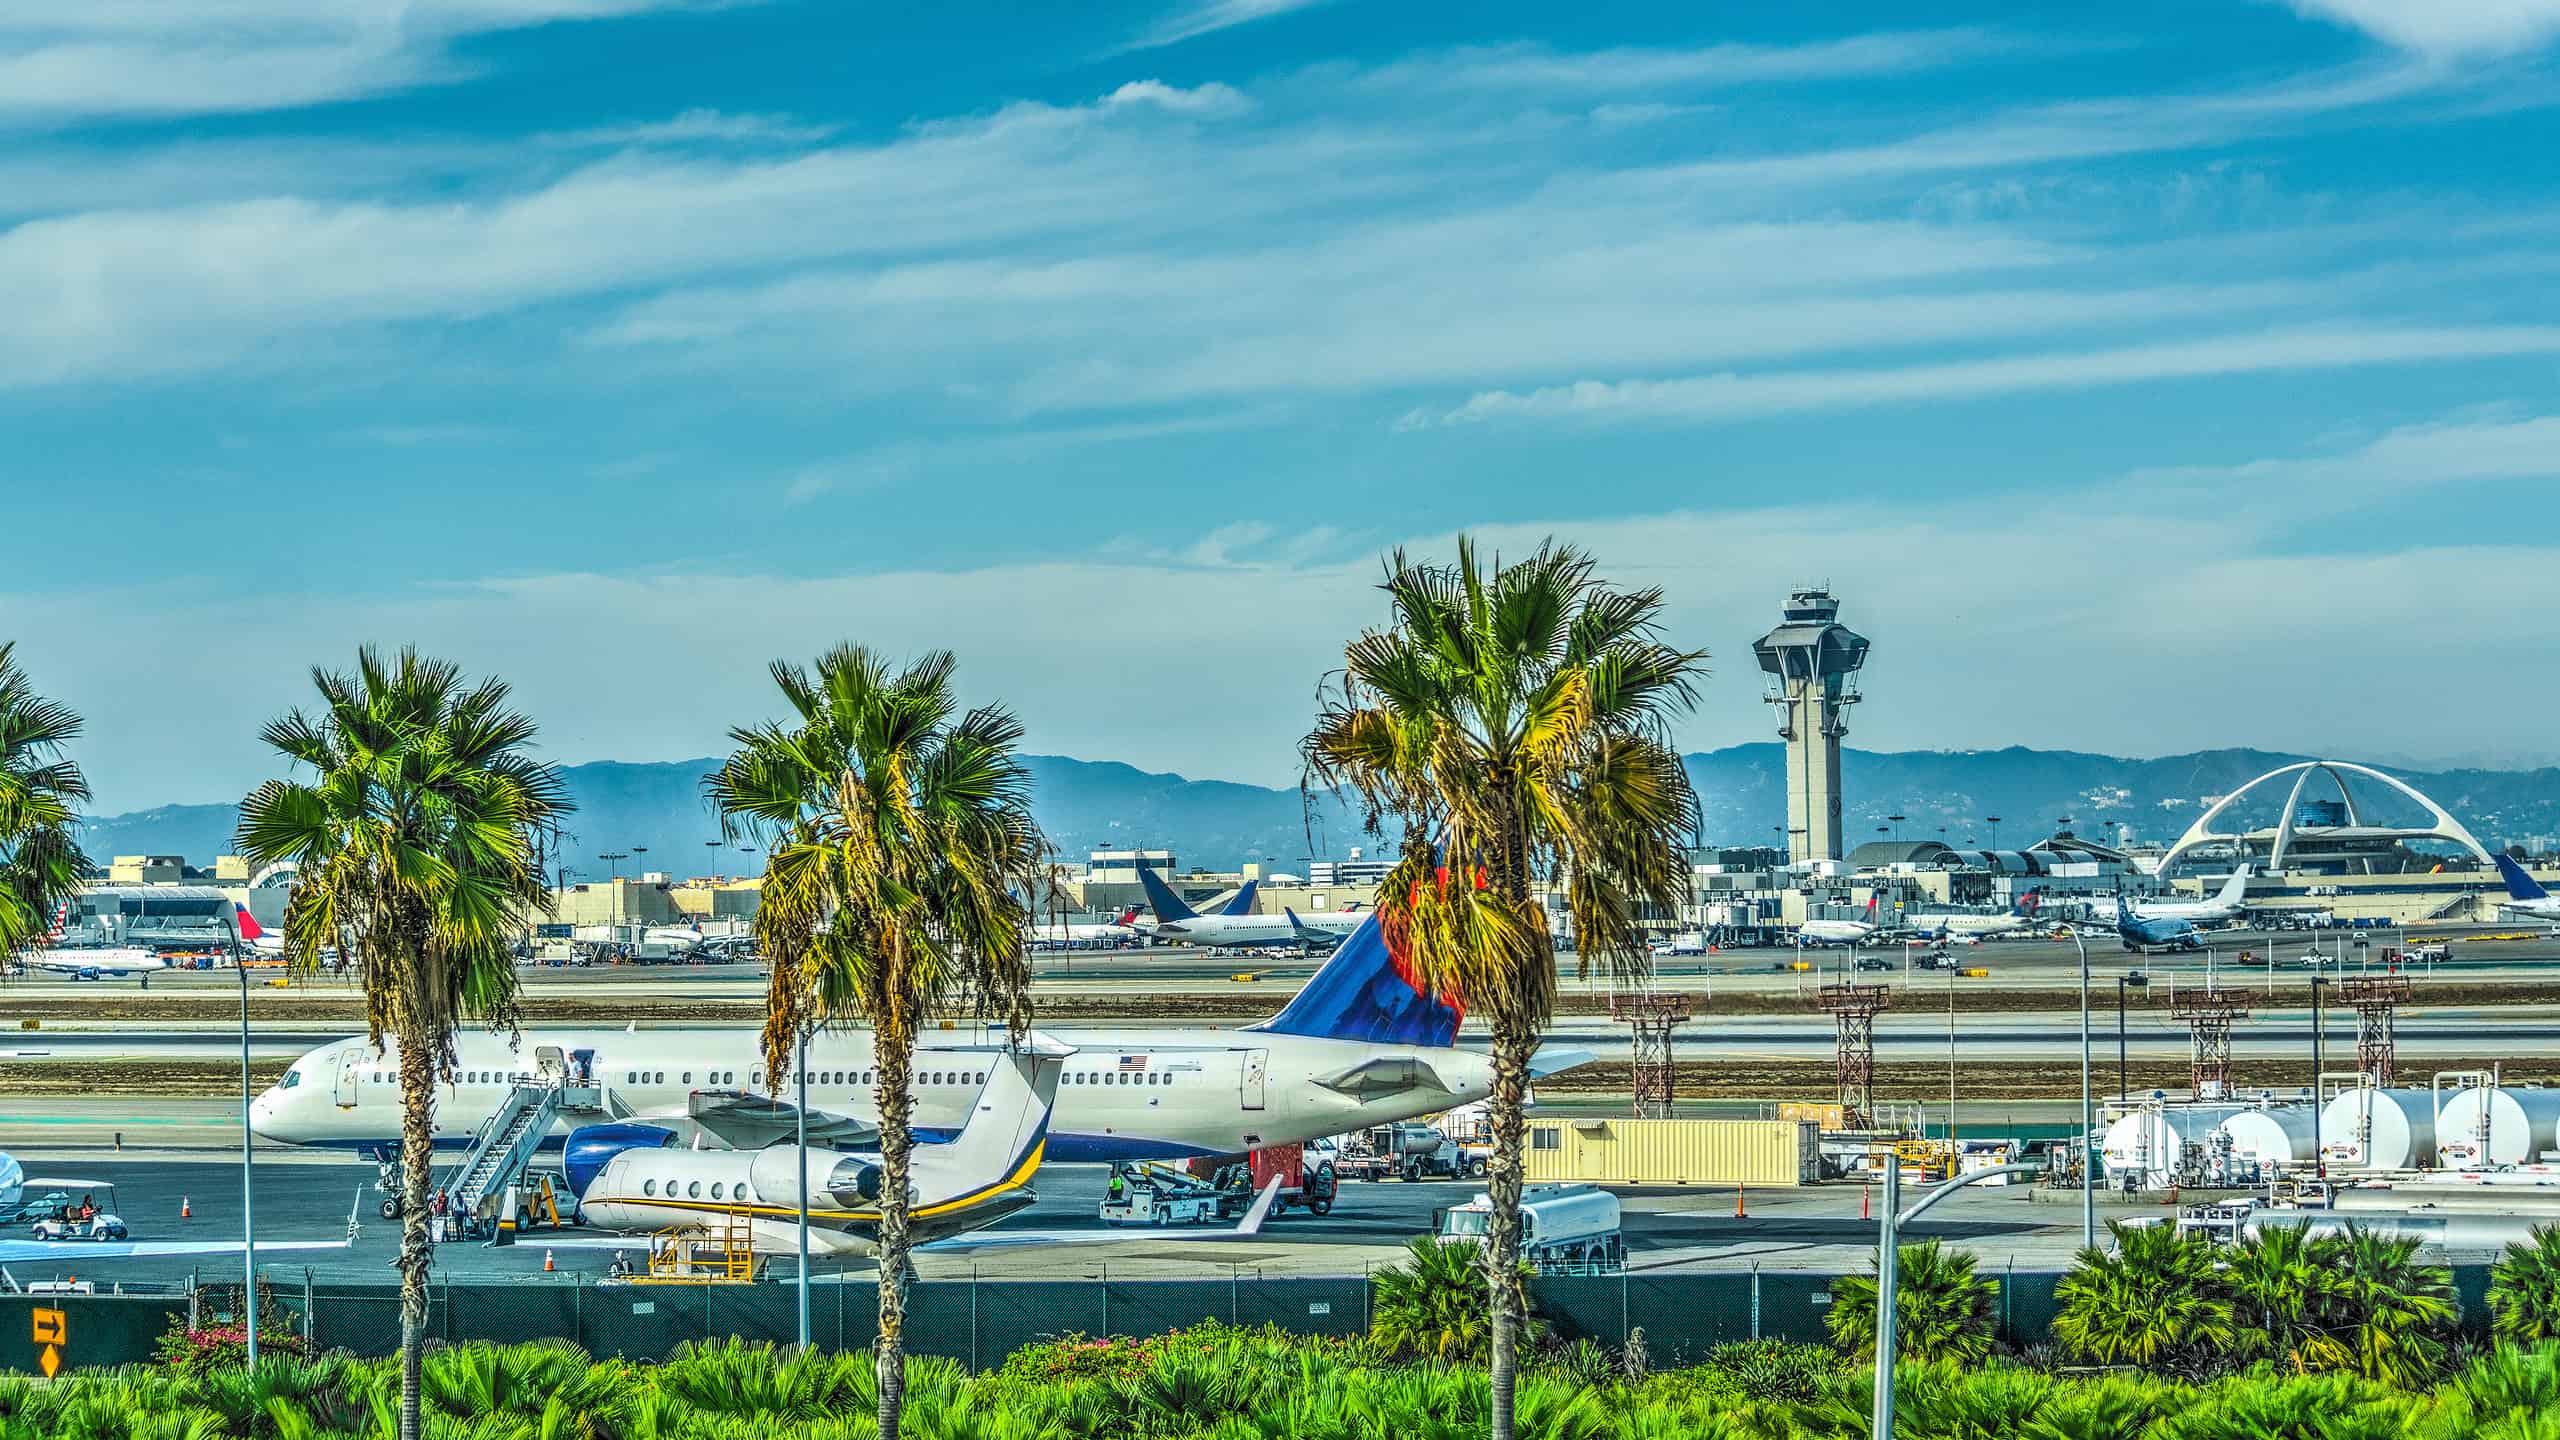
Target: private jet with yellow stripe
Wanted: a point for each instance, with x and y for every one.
(634, 1177)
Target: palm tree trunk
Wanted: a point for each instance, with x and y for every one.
(895, 1054)
(417, 1149)
(1512, 1047)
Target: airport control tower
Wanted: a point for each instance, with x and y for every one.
(1813, 661)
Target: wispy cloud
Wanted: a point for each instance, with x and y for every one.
(695, 127)
(2446, 28)
(1207, 17)
(124, 58)
(1709, 398)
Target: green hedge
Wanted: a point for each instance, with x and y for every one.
(1218, 1383)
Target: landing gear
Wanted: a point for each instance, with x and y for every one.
(391, 1207)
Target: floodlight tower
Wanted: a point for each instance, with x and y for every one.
(1812, 661)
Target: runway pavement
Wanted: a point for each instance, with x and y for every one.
(2470, 1034)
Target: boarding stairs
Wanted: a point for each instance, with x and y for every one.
(505, 1146)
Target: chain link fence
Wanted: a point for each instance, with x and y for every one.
(979, 1321)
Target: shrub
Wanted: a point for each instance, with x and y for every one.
(2157, 1300)
(1942, 1310)
(208, 1349)
(1774, 1369)
(1437, 1305)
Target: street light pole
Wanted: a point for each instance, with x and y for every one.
(800, 1125)
(2088, 1112)
(2320, 1153)
(248, 1135)
(1888, 1274)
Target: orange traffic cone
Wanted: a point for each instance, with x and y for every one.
(1739, 1212)
(547, 1266)
(185, 1210)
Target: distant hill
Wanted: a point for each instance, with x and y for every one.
(1217, 824)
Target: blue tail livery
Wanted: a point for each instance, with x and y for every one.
(1243, 903)
(1162, 900)
(1365, 992)
(2520, 886)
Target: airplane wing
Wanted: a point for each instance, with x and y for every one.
(741, 1120)
(23, 1251)
(1246, 1228)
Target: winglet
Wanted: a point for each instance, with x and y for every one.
(1251, 1224)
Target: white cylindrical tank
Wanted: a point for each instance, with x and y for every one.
(2146, 1144)
(2276, 1136)
(2369, 1129)
(2504, 1125)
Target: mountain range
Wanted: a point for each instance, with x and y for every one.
(654, 817)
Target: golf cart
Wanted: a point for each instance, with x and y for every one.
(68, 1223)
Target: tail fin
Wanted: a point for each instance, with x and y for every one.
(246, 923)
(2028, 904)
(1243, 903)
(1872, 897)
(1161, 899)
(1364, 991)
(2520, 886)
(1127, 916)
(2235, 887)
(1008, 1126)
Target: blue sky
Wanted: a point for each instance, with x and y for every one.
(2145, 379)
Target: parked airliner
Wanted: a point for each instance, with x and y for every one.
(95, 963)
(1839, 932)
(2526, 895)
(1361, 1045)
(2223, 906)
(1960, 925)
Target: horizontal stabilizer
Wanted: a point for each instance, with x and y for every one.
(1557, 1059)
(1386, 1075)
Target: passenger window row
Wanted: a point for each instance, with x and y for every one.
(693, 1190)
(1114, 1077)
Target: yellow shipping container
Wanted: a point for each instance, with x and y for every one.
(1674, 1152)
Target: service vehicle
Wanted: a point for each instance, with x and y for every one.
(1562, 1227)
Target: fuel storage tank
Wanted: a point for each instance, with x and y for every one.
(2270, 1137)
(2146, 1144)
(2370, 1129)
(2498, 1125)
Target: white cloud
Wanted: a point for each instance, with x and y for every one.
(1206, 17)
(1210, 99)
(1708, 398)
(1529, 68)
(2446, 28)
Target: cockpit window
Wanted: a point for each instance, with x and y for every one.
(291, 1079)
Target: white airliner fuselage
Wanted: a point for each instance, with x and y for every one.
(1224, 930)
(2224, 905)
(82, 963)
(1125, 1095)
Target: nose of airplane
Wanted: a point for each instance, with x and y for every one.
(262, 1114)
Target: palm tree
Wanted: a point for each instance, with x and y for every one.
(898, 875)
(419, 836)
(2157, 1301)
(2524, 1290)
(1942, 1310)
(1515, 722)
(40, 859)
(2285, 1286)
(2397, 1313)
